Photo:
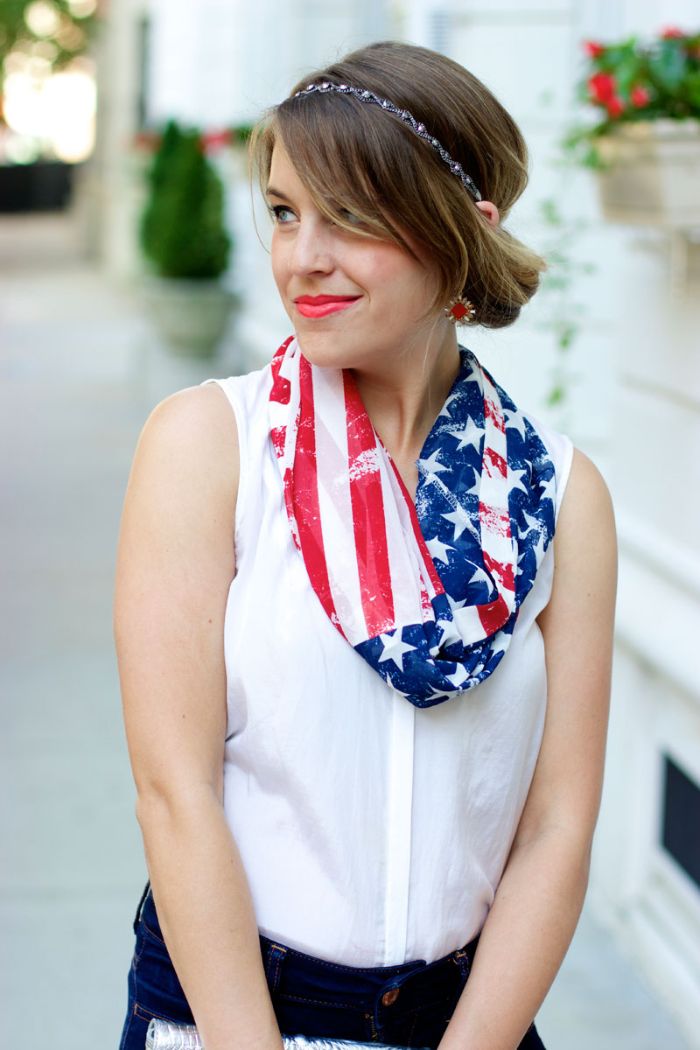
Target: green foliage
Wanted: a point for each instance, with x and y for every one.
(72, 36)
(634, 81)
(579, 144)
(182, 230)
(240, 133)
(558, 286)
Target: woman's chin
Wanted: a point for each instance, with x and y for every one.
(339, 352)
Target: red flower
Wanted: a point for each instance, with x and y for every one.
(601, 87)
(639, 96)
(215, 140)
(672, 33)
(592, 48)
(615, 106)
(147, 140)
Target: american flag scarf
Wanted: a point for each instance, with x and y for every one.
(427, 593)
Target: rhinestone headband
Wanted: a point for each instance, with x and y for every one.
(369, 96)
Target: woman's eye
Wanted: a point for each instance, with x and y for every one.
(281, 214)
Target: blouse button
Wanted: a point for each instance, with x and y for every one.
(391, 996)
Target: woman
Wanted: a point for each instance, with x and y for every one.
(368, 735)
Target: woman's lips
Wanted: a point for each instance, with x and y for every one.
(323, 305)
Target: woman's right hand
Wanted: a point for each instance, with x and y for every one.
(175, 562)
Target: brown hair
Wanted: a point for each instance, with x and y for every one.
(356, 157)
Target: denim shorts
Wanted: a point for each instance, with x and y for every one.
(408, 1005)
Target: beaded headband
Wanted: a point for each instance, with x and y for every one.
(408, 119)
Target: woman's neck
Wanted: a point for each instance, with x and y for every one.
(403, 401)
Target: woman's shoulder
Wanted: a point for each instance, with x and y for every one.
(588, 497)
(208, 418)
(584, 552)
(180, 501)
(189, 445)
(191, 420)
(586, 538)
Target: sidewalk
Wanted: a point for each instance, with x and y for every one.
(79, 373)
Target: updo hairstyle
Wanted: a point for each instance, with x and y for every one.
(358, 158)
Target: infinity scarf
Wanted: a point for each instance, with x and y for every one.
(428, 594)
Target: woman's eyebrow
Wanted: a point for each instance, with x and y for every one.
(272, 192)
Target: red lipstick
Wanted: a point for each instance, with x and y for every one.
(323, 305)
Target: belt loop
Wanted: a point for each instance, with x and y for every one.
(273, 965)
(461, 958)
(139, 910)
(464, 957)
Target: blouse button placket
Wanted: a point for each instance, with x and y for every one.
(398, 829)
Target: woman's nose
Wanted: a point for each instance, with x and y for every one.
(313, 248)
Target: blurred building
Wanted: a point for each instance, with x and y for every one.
(632, 374)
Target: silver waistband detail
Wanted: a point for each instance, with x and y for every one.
(164, 1035)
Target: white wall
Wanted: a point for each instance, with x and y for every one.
(113, 182)
(222, 61)
(645, 896)
(650, 901)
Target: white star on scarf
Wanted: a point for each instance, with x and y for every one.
(539, 549)
(515, 420)
(394, 648)
(394, 688)
(469, 435)
(532, 523)
(481, 576)
(431, 464)
(460, 676)
(446, 407)
(501, 641)
(549, 488)
(454, 604)
(438, 549)
(460, 519)
(450, 634)
(438, 694)
(518, 482)
(473, 378)
(476, 487)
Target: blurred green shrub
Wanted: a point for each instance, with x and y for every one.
(182, 230)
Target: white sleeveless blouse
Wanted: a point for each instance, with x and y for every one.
(372, 832)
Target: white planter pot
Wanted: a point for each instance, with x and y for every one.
(191, 315)
(654, 178)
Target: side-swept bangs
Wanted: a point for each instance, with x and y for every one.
(359, 159)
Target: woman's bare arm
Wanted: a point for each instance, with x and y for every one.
(175, 562)
(539, 899)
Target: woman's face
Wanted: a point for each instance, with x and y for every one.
(354, 302)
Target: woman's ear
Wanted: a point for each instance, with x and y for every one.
(490, 211)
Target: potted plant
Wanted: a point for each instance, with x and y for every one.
(644, 142)
(186, 243)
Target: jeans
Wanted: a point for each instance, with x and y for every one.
(408, 1005)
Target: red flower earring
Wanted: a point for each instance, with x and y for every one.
(461, 311)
